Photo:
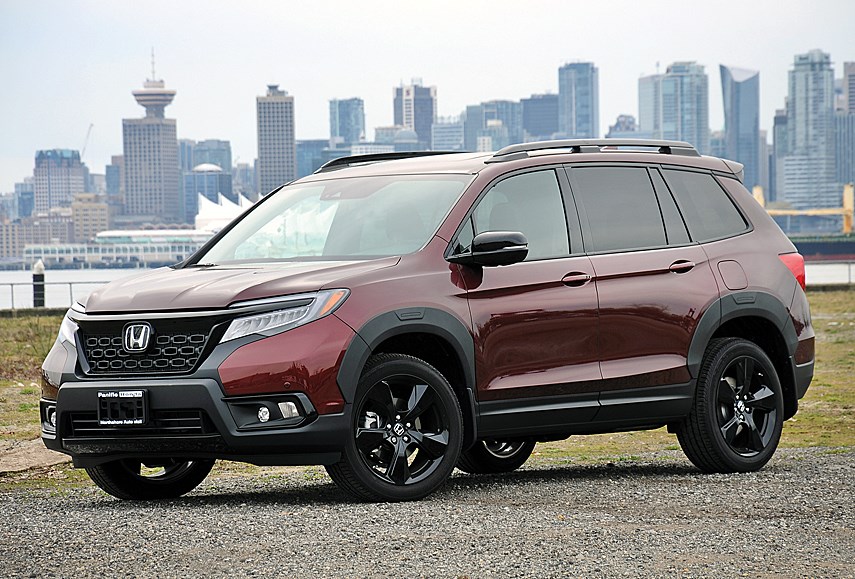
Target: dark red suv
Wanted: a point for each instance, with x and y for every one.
(394, 316)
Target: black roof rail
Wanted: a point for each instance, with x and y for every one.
(343, 162)
(521, 151)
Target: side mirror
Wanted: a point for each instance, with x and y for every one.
(493, 248)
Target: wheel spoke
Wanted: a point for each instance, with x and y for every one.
(744, 373)
(726, 393)
(729, 430)
(755, 440)
(368, 439)
(763, 399)
(421, 398)
(381, 395)
(399, 469)
(432, 444)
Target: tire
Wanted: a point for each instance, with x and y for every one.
(406, 432)
(495, 456)
(737, 415)
(134, 479)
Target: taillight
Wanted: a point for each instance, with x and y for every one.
(796, 264)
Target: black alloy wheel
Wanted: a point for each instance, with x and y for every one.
(736, 421)
(495, 456)
(406, 434)
(149, 479)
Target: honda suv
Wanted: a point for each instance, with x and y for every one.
(393, 316)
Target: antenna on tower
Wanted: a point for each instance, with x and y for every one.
(153, 75)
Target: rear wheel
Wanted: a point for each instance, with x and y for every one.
(736, 420)
(495, 456)
(137, 479)
(406, 433)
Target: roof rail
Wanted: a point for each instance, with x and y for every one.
(344, 162)
(593, 146)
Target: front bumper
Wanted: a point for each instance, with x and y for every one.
(191, 419)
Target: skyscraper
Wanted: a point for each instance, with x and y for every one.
(277, 147)
(150, 144)
(347, 121)
(849, 86)
(493, 124)
(808, 155)
(539, 116)
(57, 177)
(415, 109)
(579, 100)
(215, 152)
(675, 105)
(741, 95)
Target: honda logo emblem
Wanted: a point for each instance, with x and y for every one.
(136, 337)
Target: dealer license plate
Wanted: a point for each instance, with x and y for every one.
(122, 407)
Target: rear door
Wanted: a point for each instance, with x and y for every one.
(653, 285)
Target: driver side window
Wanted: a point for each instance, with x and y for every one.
(530, 203)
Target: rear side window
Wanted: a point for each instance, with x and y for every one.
(708, 211)
(621, 207)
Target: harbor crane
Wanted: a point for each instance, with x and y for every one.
(846, 211)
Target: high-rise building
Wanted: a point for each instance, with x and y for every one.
(625, 127)
(310, 155)
(779, 151)
(386, 135)
(741, 95)
(493, 124)
(277, 147)
(152, 171)
(539, 117)
(25, 197)
(844, 147)
(243, 180)
(447, 135)
(415, 109)
(213, 152)
(208, 180)
(579, 100)
(57, 177)
(347, 121)
(675, 105)
(849, 87)
(186, 159)
(90, 214)
(808, 154)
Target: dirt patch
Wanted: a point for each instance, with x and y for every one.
(19, 455)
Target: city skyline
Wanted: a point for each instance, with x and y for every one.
(62, 79)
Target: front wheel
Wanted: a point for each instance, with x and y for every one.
(495, 456)
(137, 479)
(736, 420)
(406, 432)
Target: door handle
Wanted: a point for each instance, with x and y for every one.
(576, 279)
(681, 266)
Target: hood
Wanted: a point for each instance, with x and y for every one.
(200, 288)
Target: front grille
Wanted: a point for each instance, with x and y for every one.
(160, 423)
(176, 347)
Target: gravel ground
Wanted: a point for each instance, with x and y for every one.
(651, 516)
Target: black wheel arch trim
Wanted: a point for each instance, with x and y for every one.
(434, 321)
(739, 305)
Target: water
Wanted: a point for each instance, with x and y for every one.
(59, 294)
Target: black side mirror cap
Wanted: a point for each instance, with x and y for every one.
(494, 248)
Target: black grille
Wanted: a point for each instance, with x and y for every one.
(160, 423)
(175, 347)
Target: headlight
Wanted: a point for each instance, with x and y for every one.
(67, 330)
(322, 304)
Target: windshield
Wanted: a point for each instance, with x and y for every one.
(359, 217)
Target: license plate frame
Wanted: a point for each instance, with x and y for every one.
(122, 408)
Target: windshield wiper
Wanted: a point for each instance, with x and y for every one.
(202, 265)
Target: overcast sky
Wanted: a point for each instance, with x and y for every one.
(66, 65)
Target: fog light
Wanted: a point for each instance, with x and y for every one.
(51, 416)
(288, 410)
(263, 414)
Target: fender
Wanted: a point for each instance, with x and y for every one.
(408, 321)
(737, 305)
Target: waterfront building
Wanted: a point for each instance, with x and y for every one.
(415, 109)
(58, 176)
(206, 180)
(579, 100)
(539, 117)
(675, 105)
(347, 121)
(90, 214)
(151, 159)
(277, 147)
(447, 134)
(741, 96)
(807, 157)
(55, 226)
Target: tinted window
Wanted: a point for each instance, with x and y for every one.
(708, 211)
(675, 227)
(621, 208)
(530, 203)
